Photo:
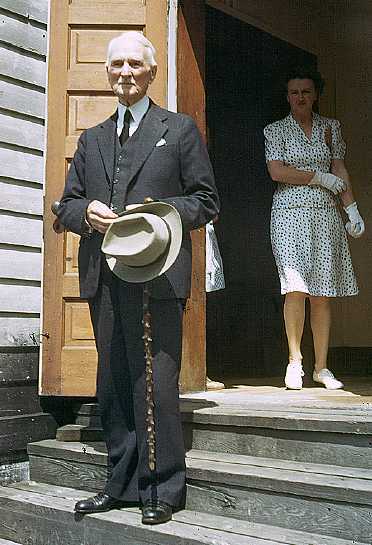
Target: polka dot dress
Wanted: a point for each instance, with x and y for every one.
(307, 233)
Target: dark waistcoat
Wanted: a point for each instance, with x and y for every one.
(124, 156)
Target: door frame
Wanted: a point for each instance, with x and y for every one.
(191, 100)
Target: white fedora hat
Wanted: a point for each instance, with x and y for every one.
(143, 242)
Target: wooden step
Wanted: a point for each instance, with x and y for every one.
(333, 502)
(316, 497)
(338, 437)
(43, 514)
(322, 481)
(73, 464)
(18, 430)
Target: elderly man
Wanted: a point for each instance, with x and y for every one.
(141, 151)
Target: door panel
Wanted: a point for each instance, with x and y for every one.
(86, 111)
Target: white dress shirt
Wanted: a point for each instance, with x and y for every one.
(138, 110)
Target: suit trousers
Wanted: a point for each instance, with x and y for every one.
(116, 312)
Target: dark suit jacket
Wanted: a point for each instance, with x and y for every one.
(178, 172)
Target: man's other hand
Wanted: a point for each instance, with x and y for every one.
(99, 216)
(58, 227)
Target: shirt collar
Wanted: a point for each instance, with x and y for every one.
(138, 110)
(291, 119)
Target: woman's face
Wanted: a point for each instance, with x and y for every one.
(301, 96)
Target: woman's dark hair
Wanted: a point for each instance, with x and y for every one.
(306, 72)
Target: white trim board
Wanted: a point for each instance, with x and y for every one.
(172, 54)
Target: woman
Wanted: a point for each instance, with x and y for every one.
(305, 155)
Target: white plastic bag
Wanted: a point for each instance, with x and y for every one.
(214, 277)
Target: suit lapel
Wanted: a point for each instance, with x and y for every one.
(107, 142)
(150, 131)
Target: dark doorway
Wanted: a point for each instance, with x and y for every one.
(244, 74)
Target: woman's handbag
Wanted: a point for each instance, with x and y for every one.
(214, 277)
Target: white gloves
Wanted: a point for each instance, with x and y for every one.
(355, 226)
(329, 181)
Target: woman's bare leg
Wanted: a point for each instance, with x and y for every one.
(294, 318)
(320, 319)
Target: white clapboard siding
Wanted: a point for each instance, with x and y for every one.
(22, 99)
(23, 25)
(20, 265)
(16, 331)
(36, 10)
(20, 198)
(21, 132)
(22, 34)
(15, 64)
(20, 298)
(21, 165)
(20, 231)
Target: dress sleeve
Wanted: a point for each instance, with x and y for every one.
(274, 143)
(338, 143)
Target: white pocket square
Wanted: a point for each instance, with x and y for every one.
(161, 142)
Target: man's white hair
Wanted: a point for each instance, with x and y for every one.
(134, 35)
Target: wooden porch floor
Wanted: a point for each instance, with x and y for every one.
(269, 395)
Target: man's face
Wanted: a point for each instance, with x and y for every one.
(128, 71)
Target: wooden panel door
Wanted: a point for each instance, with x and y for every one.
(79, 97)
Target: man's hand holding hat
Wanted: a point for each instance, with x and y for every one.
(99, 216)
(144, 241)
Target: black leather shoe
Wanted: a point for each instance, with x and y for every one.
(97, 504)
(156, 512)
